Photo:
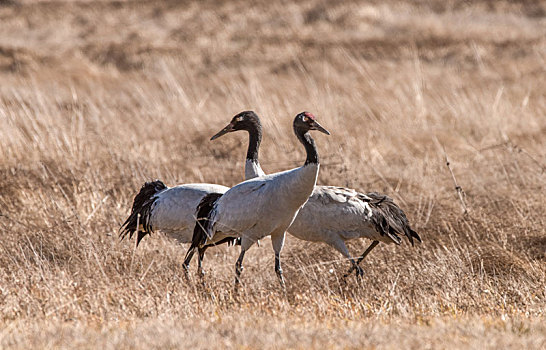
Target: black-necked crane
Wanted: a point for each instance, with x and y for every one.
(263, 206)
(332, 215)
(171, 210)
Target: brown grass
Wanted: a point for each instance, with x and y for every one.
(97, 97)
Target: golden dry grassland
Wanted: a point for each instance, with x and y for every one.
(97, 97)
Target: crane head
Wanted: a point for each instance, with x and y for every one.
(306, 121)
(243, 121)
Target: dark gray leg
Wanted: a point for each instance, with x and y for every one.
(201, 252)
(277, 240)
(340, 246)
(355, 264)
(278, 268)
(189, 256)
(367, 251)
(239, 266)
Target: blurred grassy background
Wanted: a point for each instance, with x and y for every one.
(98, 97)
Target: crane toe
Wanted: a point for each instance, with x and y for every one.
(200, 272)
(359, 271)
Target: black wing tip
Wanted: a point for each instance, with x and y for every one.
(158, 184)
(391, 220)
(140, 235)
(141, 211)
(396, 239)
(204, 210)
(123, 232)
(415, 235)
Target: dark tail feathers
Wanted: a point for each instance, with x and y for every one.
(389, 219)
(142, 205)
(202, 225)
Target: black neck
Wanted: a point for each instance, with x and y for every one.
(309, 144)
(254, 140)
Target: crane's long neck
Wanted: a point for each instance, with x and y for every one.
(310, 147)
(254, 140)
(252, 164)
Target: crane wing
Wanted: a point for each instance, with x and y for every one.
(334, 208)
(235, 211)
(332, 194)
(174, 208)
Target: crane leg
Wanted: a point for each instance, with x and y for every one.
(201, 251)
(239, 266)
(187, 260)
(354, 266)
(356, 263)
(278, 242)
(339, 245)
(278, 269)
(367, 251)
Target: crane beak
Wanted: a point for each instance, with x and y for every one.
(228, 128)
(316, 126)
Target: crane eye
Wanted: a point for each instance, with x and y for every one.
(305, 119)
(238, 119)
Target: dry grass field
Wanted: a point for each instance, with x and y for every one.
(98, 97)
